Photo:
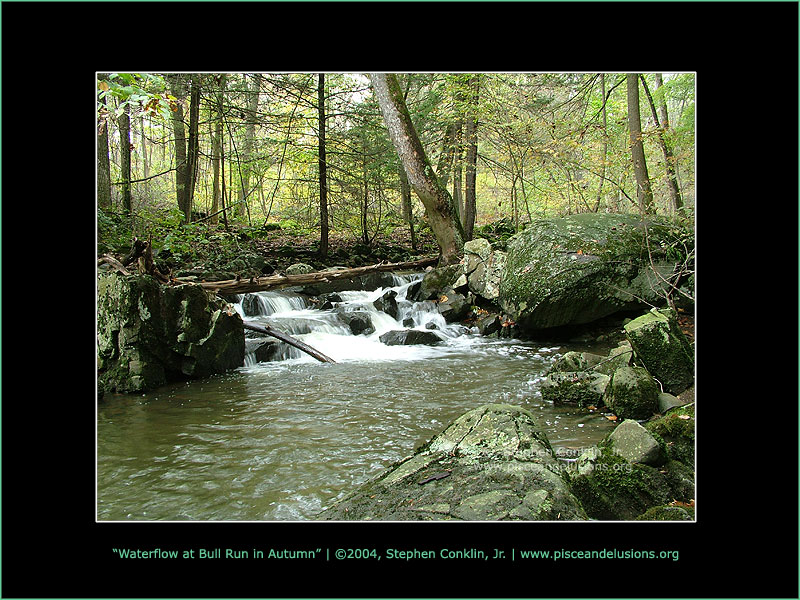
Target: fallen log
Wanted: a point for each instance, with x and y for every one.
(289, 340)
(107, 258)
(271, 282)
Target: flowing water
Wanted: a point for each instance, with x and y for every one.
(282, 440)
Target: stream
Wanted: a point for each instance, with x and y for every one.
(284, 439)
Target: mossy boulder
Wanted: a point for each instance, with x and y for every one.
(663, 348)
(149, 334)
(578, 387)
(299, 269)
(667, 513)
(632, 393)
(577, 269)
(576, 361)
(612, 489)
(438, 281)
(494, 463)
(676, 429)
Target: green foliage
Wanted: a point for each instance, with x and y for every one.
(139, 91)
(497, 233)
(544, 150)
(113, 232)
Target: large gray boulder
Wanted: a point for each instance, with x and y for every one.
(493, 463)
(149, 334)
(577, 269)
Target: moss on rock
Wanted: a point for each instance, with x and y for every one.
(614, 489)
(662, 347)
(149, 334)
(579, 387)
(577, 269)
(632, 393)
(676, 430)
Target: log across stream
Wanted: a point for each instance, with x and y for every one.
(282, 440)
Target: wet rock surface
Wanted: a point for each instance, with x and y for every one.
(491, 464)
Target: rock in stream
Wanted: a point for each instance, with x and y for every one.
(493, 463)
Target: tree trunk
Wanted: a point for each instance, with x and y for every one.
(124, 123)
(193, 146)
(458, 161)
(643, 189)
(103, 163)
(470, 203)
(446, 157)
(323, 173)
(605, 143)
(142, 139)
(216, 151)
(661, 118)
(249, 137)
(437, 201)
(408, 212)
(178, 88)
(216, 157)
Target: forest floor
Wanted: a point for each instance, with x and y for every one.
(282, 249)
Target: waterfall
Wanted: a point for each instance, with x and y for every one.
(332, 330)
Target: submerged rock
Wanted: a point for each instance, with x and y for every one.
(149, 334)
(409, 337)
(387, 303)
(577, 269)
(493, 463)
(358, 321)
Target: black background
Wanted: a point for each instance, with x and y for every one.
(744, 543)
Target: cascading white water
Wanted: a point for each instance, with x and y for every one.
(329, 333)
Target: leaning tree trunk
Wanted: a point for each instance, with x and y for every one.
(643, 189)
(437, 201)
